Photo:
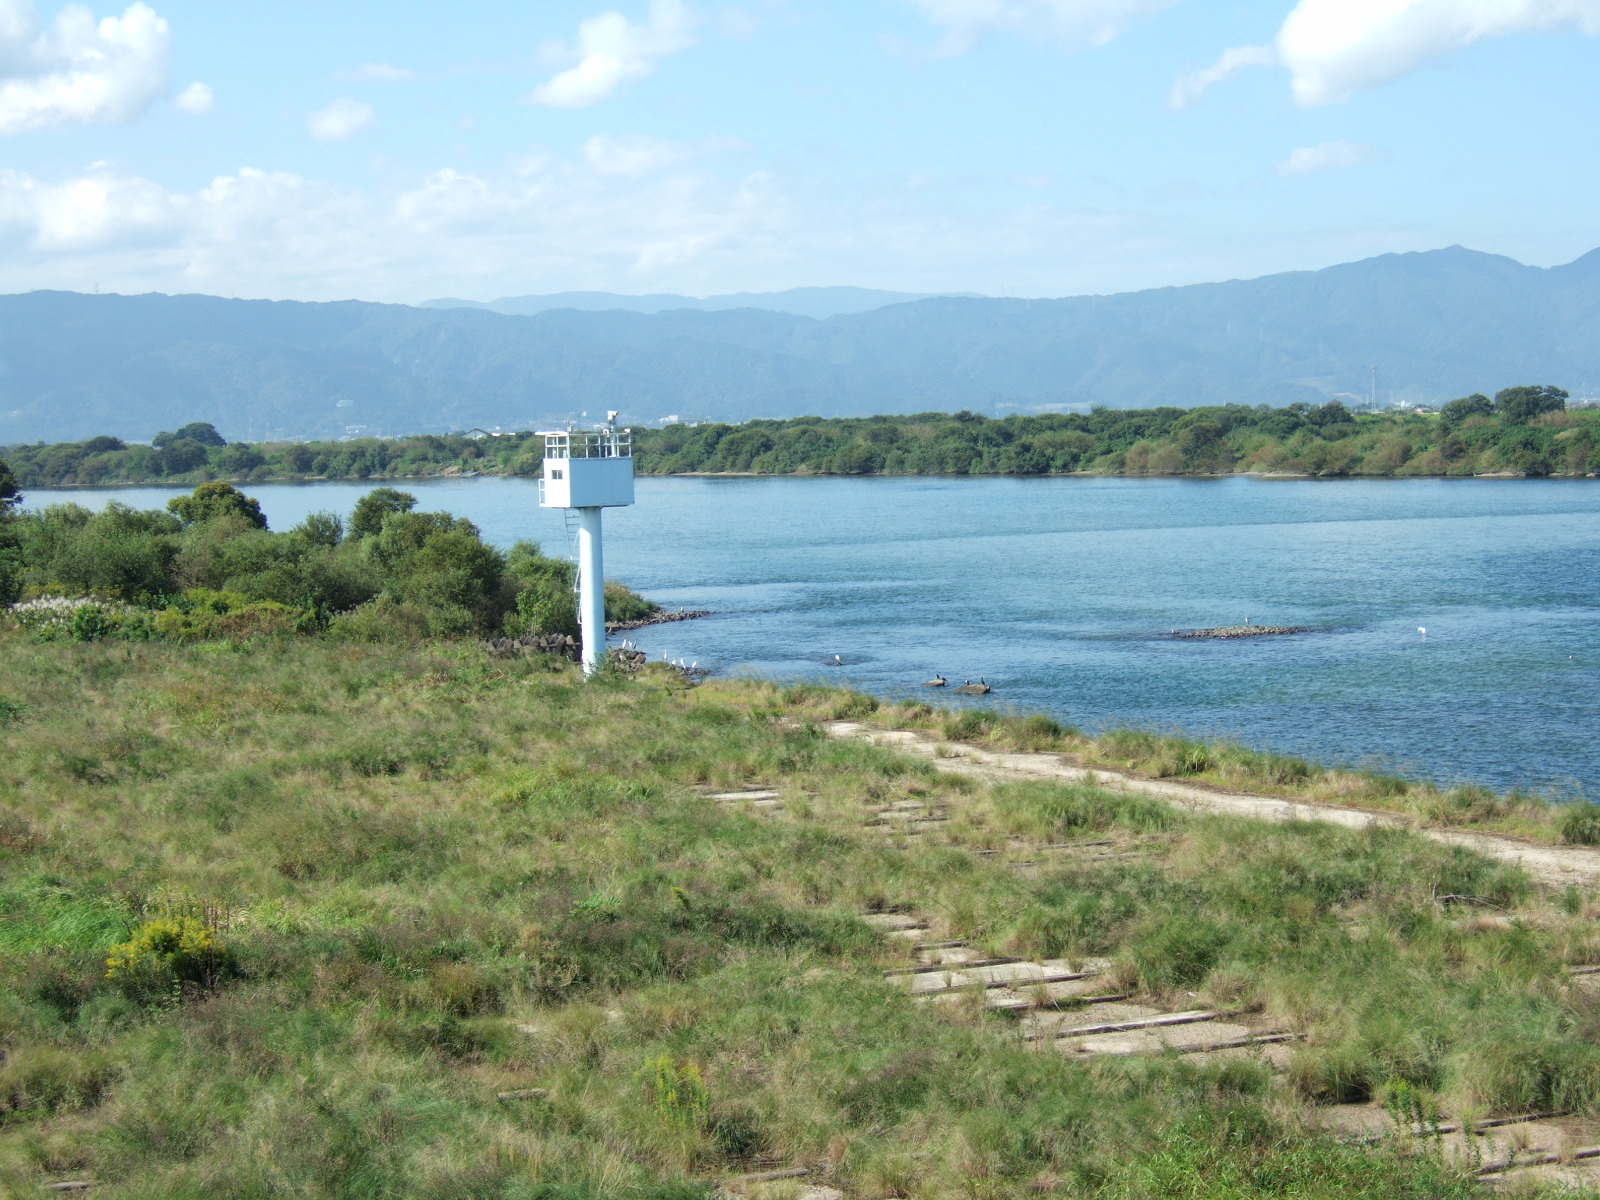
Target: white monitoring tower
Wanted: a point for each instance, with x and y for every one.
(588, 470)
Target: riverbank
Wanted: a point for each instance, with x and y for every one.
(633, 937)
(1525, 431)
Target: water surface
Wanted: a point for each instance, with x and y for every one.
(1062, 594)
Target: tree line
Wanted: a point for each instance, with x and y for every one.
(208, 565)
(1527, 430)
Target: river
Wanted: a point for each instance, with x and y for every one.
(1062, 594)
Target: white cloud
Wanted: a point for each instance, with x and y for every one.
(79, 70)
(542, 220)
(632, 156)
(1076, 22)
(379, 73)
(91, 212)
(342, 119)
(611, 50)
(1191, 85)
(197, 99)
(546, 222)
(1308, 160)
(1335, 48)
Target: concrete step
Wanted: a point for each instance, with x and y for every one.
(893, 922)
(1015, 975)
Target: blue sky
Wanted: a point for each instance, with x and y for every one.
(1024, 147)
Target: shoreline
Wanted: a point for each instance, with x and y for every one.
(385, 480)
(658, 618)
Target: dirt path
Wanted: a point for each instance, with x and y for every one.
(1553, 865)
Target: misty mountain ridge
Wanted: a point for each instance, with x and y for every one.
(818, 303)
(1438, 324)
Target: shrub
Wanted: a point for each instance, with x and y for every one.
(854, 704)
(1580, 824)
(165, 951)
(44, 1079)
(389, 620)
(210, 501)
(625, 604)
(544, 606)
(968, 725)
(1339, 1074)
(676, 1091)
(78, 619)
(1036, 732)
(371, 509)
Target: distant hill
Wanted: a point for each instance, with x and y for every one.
(819, 303)
(1438, 324)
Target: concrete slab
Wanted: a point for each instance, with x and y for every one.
(1187, 1038)
(1001, 975)
(891, 921)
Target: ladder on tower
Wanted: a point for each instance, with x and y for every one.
(570, 517)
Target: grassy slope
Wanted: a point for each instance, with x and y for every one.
(449, 877)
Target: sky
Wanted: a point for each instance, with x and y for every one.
(405, 151)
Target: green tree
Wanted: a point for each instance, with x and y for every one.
(180, 457)
(10, 555)
(1475, 405)
(1527, 449)
(121, 551)
(210, 501)
(201, 432)
(439, 562)
(240, 459)
(10, 497)
(321, 529)
(371, 509)
(1519, 405)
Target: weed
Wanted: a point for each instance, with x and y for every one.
(1580, 824)
(169, 950)
(676, 1091)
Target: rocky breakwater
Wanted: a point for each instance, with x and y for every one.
(662, 617)
(1227, 632)
(545, 643)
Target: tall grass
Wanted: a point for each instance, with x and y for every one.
(452, 879)
(1232, 766)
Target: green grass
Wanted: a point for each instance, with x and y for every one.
(1229, 766)
(443, 877)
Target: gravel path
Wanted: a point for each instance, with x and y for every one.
(1553, 865)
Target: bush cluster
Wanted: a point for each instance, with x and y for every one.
(1526, 430)
(1523, 429)
(209, 566)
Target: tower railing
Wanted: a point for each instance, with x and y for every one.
(589, 443)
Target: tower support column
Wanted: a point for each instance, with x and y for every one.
(591, 590)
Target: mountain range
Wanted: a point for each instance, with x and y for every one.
(819, 303)
(1437, 324)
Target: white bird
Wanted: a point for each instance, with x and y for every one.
(837, 661)
(1422, 631)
